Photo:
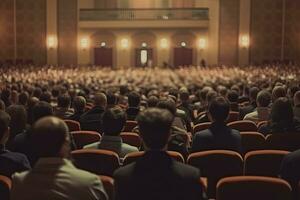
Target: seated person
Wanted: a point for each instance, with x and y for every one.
(156, 175)
(262, 112)
(92, 119)
(10, 162)
(233, 98)
(63, 110)
(252, 106)
(296, 108)
(290, 171)
(114, 120)
(281, 118)
(79, 104)
(54, 176)
(219, 135)
(134, 100)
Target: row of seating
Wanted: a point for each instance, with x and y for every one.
(238, 187)
(214, 165)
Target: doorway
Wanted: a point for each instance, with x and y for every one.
(183, 56)
(104, 57)
(144, 57)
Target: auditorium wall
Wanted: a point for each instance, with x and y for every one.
(67, 32)
(229, 31)
(6, 30)
(292, 30)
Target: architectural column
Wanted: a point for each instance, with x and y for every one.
(52, 31)
(245, 16)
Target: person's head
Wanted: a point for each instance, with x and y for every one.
(152, 101)
(211, 95)
(282, 111)
(154, 126)
(79, 104)
(14, 97)
(114, 120)
(37, 92)
(112, 99)
(134, 99)
(203, 93)
(50, 138)
(218, 110)
(40, 110)
(23, 98)
(64, 101)
(18, 120)
(263, 98)
(2, 105)
(46, 96)
(5, 97)
(169, 105)
(292, 91)
(100, 100)
(4, 127)
(278, 91)
(297, 98)
(184, 95)
(233, 96)
(253, 94)
(32, 102)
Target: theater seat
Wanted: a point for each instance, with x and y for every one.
(201, 127)
(134, 156)
(216, 164)
(263, 162)
(73, 125)
(283, 141)
(101, 162)
(252, 188)
(233, 116)
(252, 141)
(243, 126)
(108, 184)
(130, 125)
(261, 123)
(5, 186)
(82, 138)
(132, 139)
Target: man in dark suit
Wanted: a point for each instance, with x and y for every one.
(156, 175)
(296, 108)
(79, 104)
(10, 162)
(219, 135)
(290, 171)
(134, 100)
(92, 120)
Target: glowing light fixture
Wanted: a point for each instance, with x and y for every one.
(124, 43)
(183, 44)
(144, 44)
(164, 43)
(103, 44)
(244, 41)
(202, 43)
(51, 42)
(84, 43)
(144, 57)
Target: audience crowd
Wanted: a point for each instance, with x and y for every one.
(36, 144)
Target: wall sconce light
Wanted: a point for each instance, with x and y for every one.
(103, 44)
(144, 44)
(51, 42)
(202, 43)
(245, 41)
(124, 43)
(183, 44)
(164, 43)
(84, 43)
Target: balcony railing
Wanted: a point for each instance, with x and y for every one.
(144, 14)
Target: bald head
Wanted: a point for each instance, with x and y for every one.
(297, 98)
(50, 134)
(100, 100)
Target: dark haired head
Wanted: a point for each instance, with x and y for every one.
(18, 117)
(114, 120)
(263, 98)
(282, 115)
(152, 101)
(134, 99)
(219, 109)
(233, 96)
(41, 109)
(154, 125)
(79, 104)
(169, 105)
(64, 101)
(4, 124)
(23, 98)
